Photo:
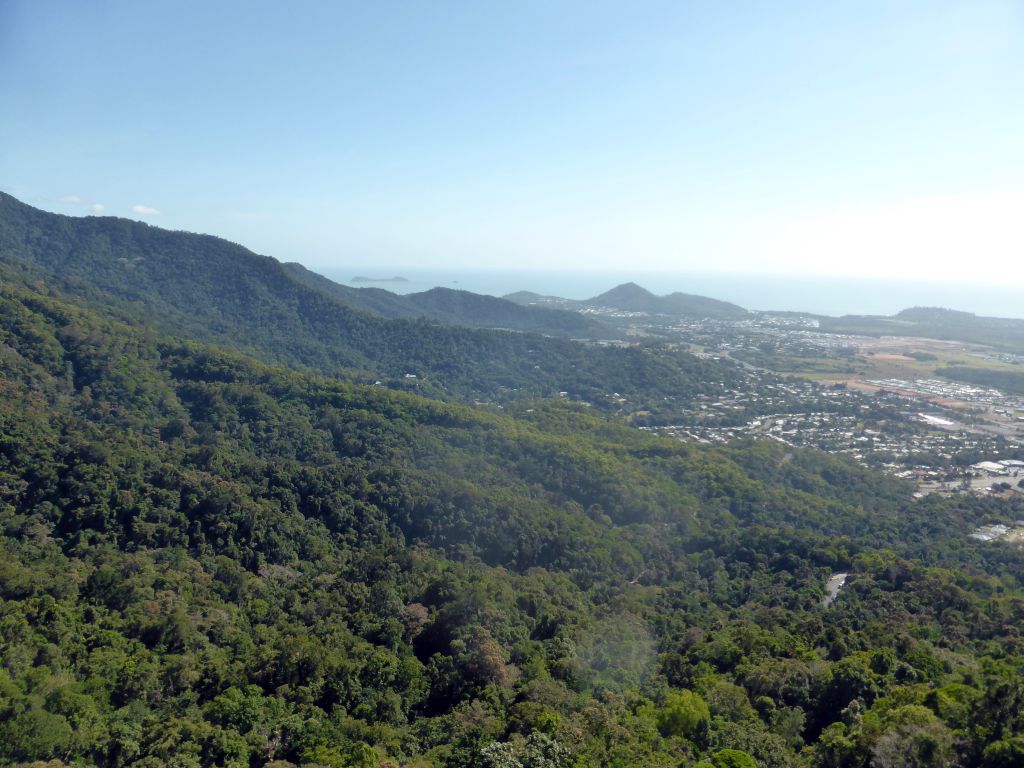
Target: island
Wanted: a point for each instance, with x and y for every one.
(362, 279)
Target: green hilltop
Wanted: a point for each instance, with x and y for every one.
(631, 297)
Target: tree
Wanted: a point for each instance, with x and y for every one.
(732, 758)
(683, 714)
(35, 734)
(912, 737)
(1007, 753)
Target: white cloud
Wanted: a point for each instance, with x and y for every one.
(145, 210)
(82, 202)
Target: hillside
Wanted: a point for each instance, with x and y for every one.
(209, 561)
(208, 289)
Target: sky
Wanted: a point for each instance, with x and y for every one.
(876, 138)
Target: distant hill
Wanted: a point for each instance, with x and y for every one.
(527, 298)
(935, 315)
(633, 298)
(523, 297)
(628, 296)
(531, 299)
(457, 307)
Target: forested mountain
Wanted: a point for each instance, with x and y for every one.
(206, 288)
(455, 307)
(209, 561)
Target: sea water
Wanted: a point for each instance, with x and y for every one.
(816, 295)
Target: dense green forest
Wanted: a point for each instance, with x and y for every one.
(254, 554)
(211, 561)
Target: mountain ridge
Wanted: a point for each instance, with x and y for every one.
(216, 291)
(457, 307)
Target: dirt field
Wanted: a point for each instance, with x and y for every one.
(890, 357)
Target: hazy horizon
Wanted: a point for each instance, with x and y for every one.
(880, 141)
(820, 295)
(763, 291)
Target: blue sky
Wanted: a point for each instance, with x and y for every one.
(868, 138)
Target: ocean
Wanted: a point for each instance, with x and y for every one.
(816, 295)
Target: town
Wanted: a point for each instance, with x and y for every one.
(875, 400)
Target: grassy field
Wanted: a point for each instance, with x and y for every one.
(889, 359)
